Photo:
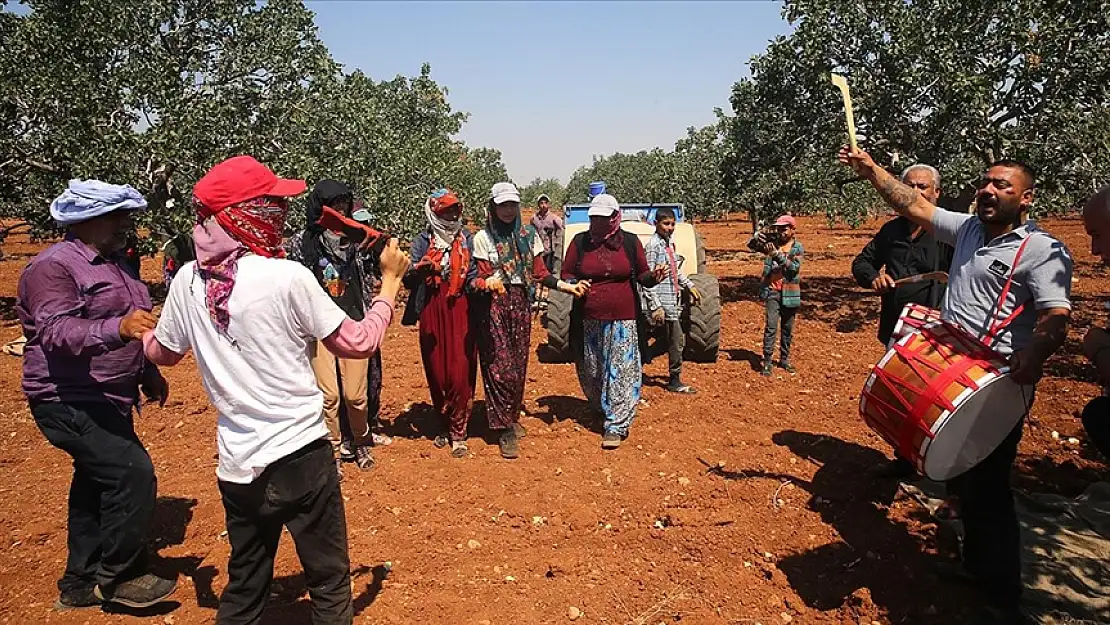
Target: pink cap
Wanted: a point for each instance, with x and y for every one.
(786, 220)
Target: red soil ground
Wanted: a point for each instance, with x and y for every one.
(790, 530)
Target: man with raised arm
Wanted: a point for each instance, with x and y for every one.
(1010, 285)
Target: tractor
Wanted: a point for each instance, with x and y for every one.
(701, 321)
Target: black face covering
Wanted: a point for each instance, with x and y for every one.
(324, 194)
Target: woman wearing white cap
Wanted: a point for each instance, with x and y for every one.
(509, 257)
(603, 324)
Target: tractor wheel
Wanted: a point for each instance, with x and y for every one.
(703, 328)
(699, 245)
(557, 322)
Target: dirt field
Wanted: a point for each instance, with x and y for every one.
(790, 531)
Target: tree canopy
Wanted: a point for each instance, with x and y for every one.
(954, 83)
(158, 91)
(551, 187)
(688, 174)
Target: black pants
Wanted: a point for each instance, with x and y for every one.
(111, 497)
(992, 536)
(301, 492)
(1096, 421)
(777, 313)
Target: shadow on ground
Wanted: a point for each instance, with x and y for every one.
(873, 549)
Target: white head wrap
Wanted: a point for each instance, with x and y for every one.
(86, 199)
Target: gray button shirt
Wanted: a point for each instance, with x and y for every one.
(979, 270)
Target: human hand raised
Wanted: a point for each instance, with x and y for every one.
(857, 159)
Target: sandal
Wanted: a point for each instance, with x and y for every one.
(459, 449)
(363, 458)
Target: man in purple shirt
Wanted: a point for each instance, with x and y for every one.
(84, 312)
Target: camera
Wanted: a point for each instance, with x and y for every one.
(764, 236)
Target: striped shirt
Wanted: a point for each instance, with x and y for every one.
(666, 294)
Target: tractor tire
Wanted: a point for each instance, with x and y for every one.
(703, 327)
(556, 320)
(699, 245)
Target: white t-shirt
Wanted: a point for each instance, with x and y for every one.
(484, 249)
(261, 384)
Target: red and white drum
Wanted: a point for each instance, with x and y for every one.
(943, 399)
(913, 318)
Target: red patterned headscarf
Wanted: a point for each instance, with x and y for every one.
(222, 238)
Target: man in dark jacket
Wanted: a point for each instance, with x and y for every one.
(1096, 344)
(341, 269)
(900, 250)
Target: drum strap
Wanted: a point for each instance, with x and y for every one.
(1000, 324)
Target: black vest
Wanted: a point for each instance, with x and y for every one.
(350, 274)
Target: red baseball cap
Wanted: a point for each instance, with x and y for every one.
(239, 179)
(786, 220)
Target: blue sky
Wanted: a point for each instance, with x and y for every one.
(551, 84)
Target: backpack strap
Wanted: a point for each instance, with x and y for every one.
(579, 243)
(629, 244)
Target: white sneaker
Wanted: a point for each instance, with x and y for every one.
(381, 439)
(345, 451)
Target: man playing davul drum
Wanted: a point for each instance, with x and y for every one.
(1009, 285)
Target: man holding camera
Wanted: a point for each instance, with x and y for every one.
(780, 290)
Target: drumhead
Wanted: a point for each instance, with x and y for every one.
(982, 420)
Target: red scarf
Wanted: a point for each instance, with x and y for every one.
(251, 226)
(458, 263)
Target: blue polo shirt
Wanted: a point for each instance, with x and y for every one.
(979, 270)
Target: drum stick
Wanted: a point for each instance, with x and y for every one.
(842, 84)
(939, 276)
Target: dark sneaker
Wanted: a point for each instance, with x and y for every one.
(141, 592)
(999, 616)
(510, 444)
(676, 386)
(954, 571)
(520, 431)
(363, 458)
(77, 599)
(611, 440)
(766, 368)
(789, 368)
(459, 449)
(339, 469)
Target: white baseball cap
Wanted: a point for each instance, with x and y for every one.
(504, 192)
(603, 205)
